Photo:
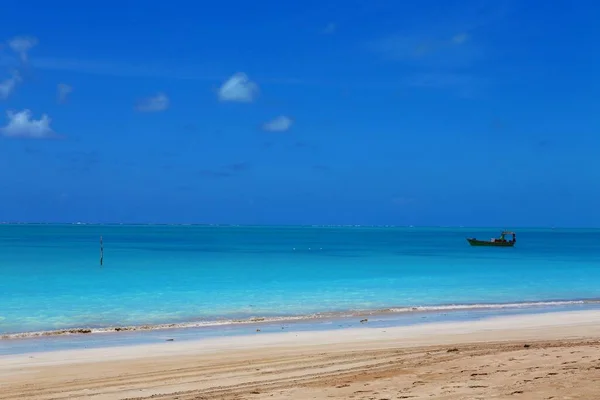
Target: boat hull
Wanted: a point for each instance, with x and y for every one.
(475, 242)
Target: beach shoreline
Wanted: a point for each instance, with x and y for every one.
(533, 306)
(114, 373)
(106, 338)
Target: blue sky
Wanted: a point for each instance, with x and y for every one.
(315, 112)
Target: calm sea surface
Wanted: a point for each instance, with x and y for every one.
(50, 277)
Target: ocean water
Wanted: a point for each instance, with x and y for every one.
(50, 277)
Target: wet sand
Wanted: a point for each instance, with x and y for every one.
(546, 356)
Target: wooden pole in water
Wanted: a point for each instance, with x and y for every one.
(101, 252)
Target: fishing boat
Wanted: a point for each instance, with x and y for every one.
(497, 242)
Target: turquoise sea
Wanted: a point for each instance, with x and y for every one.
(214, 275)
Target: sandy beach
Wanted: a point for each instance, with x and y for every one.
(543, 356)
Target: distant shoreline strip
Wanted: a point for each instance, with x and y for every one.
(298, 318)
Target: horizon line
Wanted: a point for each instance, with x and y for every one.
(13, 223)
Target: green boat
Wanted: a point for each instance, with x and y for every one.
(496, 242)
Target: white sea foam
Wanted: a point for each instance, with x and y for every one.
(297, 318)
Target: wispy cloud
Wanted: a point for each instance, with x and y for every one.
(21, 45)
(238, 88)
(8, 86)
(122, 69)
(157, 103)
(440, 79)
(444, 62)
(427, 51)
(460, 38)
(463, 85)
(444, 49)
(279, 124)
(22, 125)
(62, 92)
(116, 68)
(330, 28)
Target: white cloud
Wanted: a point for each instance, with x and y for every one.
(279, 124)
(22, 44)
(238, 88)
(160, 102)
(21, 124)
(62, 91)
(8, 86)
